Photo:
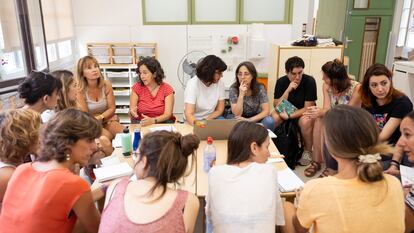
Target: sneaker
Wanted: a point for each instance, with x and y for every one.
(306, 158)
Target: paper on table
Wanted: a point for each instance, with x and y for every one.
(407, 175)
(271, 134)
(275, 160)
(169, 128)
(112, 171)
(288, 180)
(276, 154)
(116, 142)
(110, 160)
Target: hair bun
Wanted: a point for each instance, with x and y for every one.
(189, 143)
(24, 89)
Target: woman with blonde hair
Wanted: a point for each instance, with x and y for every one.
(45, 194)
(19, 136)
(360, 197)
(96, 96)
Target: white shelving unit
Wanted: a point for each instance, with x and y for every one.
(122, 77)
(118, 64)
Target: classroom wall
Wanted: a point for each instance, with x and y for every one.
(121, 21)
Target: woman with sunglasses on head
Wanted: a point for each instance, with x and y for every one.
(40, 91)
(338, 88)
(248, 97)
(204, 94)
(148, 204)
(152, 99)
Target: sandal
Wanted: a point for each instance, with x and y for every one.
(327, 172)
(313, 168)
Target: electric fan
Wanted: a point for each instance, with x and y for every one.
(187, 66)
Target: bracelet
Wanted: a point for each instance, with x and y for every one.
(395, 162)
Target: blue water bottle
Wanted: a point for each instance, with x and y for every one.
(137, 138)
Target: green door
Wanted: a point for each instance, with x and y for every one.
(366, 35)
(365, 31)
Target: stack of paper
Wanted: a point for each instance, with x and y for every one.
(169, 128)
(112, 171)
(288, 180)
(407, 175)
(117, 142)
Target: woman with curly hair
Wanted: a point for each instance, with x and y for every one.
(19, 136)
(152, 99)
(45, 193)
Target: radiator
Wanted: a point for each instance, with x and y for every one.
(367, 58)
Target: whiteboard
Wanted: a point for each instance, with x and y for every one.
(166, 11)
(263, 10)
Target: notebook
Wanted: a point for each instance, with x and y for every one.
(285, 106)
(288, 180)
(112, 171)
(407, 175)
(217, 129)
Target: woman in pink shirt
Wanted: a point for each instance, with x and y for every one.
(147, 204)
(152, 100)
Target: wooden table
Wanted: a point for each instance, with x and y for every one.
(197, 180)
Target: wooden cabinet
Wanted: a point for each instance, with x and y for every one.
(118, 64)
(314, 58)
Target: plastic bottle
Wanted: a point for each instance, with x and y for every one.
(137, 138)
(126, 142)
(209, 154)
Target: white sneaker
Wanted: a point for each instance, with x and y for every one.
(306, 158)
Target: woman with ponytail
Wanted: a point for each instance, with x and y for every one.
(147, 204)
(360, 198)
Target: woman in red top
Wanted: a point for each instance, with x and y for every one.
(152, 100)
(45, 196)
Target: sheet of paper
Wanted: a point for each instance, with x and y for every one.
(276, 154)
(407, 175)
(275, 160)
(288, 180)
(110, 160)
(112, 171)
(116, 142)
(169, 128)
(271, 134)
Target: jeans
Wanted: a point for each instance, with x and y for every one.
(268, 122)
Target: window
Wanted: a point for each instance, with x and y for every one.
(216, 11)
(65, 48)
(11, 59)
(51, 52)
(406, 31)
(38, 38)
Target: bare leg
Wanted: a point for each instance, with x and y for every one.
(317, 141)
(276, 118)
(306, 128)
(289, 211)
(113, 127)
(107, 134)
(106, 145)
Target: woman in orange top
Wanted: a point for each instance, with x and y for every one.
(45, 196)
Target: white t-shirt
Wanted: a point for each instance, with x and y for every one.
(244, 199)
(46, 115)
(204, 97)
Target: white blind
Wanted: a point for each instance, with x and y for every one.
(9, 25)
(58, 20)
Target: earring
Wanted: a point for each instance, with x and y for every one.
(67, 157)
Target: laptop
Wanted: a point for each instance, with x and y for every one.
(217, 129)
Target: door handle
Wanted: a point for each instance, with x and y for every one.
(347, 41)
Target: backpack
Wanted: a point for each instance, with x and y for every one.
(289, 141)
